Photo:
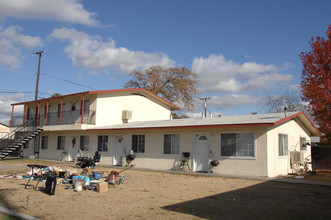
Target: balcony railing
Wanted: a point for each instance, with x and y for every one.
(53, 118)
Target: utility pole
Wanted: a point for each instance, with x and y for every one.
(37, 84)
(205, 104)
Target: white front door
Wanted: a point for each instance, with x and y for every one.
(119, 150)
(73, 148)
(201, 153)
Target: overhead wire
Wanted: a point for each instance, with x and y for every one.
(68, 81)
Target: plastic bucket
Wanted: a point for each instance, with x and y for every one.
(97, 175)
(111, 179)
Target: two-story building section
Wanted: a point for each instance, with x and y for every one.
(116, 122)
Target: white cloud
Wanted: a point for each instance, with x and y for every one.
(60, 10)
(233, 100)
(217, 74)
(13, 34)
(11, 44)
(92, 53)
(5, 106)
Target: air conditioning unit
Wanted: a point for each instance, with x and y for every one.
(126, 114)
(297, 156)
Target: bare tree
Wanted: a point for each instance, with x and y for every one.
(177, 85)
(289, 99)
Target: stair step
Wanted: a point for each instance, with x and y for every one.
(8, 151)
(5, 153)
(39, 130)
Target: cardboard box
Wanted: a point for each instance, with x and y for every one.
(88, 171)
(103, 187)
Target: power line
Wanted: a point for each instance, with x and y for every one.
(13, 92)
(68, 81)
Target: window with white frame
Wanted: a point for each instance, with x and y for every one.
(44, 142)
(60, 142)
(171, 143)
(103, 143)
(303, 142)
(84, 143)
(237, 145)
(138, 143)
(282, 144)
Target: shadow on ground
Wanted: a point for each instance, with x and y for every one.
(269, 200)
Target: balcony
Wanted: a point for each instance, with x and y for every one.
(53, 118)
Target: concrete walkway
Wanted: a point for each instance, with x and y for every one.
(17, 214)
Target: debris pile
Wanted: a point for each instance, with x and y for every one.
(75, 179)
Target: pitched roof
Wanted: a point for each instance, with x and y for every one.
(271, 119)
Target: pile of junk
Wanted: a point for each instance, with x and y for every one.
(88, 179)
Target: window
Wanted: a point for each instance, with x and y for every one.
(83, 143)
(303, 142)
(283, 144)
(237, 145)
(171, 143)
(86, 107)
(60, 142)
(44, 142)
(138, 143)
(103, 143)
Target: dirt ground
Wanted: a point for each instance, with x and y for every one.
(161, 195)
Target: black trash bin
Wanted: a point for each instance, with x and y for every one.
(50, 183)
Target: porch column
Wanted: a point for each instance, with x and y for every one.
(37, 119)
(26, 114)
(83, 105)
(12, 115)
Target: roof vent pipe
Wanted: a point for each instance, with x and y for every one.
(202, 115)
(171, 117)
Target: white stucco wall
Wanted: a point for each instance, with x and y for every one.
(109, 109)
(242, 166)
(153, 158)
(265, 163)
(280, 165)
(4, 130)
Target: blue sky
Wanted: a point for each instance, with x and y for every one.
(239, 49)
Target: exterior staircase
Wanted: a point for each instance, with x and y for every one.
(12, 144)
